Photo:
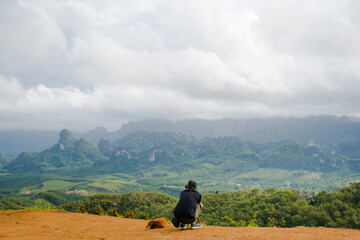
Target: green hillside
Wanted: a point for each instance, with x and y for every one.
(148, 161)
(295, 157)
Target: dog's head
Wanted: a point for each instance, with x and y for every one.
(149, 225)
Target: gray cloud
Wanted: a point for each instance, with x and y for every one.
(81, 64)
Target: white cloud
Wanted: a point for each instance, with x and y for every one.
(29, 35)
(113, 61)
(10, 90)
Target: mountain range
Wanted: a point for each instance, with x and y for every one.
(313, 130)
(158, 156)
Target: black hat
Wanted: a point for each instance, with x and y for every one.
(192, 185)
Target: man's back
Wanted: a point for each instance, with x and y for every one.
(188, 202)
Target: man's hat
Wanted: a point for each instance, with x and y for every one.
(192, 185)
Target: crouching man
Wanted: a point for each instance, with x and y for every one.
(189, 207)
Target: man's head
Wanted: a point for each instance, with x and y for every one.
(192, 185)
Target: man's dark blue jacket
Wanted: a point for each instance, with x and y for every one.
(188, 202)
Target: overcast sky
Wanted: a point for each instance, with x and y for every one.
(81, 64)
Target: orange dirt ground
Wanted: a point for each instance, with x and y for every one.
(52, 224)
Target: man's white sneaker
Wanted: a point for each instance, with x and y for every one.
(183, 226)
(195, 225)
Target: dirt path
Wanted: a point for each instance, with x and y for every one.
(41, 224)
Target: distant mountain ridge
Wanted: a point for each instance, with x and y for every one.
(318, 130)
(145, 150)
(312, 130)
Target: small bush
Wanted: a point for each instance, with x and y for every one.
(113, 212)
(142, 215)
(129, 214)
(252, 222)
(273, 222)
(81, 209)
(98, 210)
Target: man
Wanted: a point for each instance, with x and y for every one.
(189, 206)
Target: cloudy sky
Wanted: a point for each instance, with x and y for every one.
(81, 64)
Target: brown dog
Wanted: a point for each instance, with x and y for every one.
(156, 223)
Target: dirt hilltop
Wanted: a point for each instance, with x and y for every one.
(52, 224)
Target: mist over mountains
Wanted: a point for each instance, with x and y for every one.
(320, 130)
(312, 130)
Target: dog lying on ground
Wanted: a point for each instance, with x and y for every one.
(156, 223)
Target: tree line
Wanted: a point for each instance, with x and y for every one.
(284, 208)
(268, 208)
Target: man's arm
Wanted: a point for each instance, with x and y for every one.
(199, 199)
